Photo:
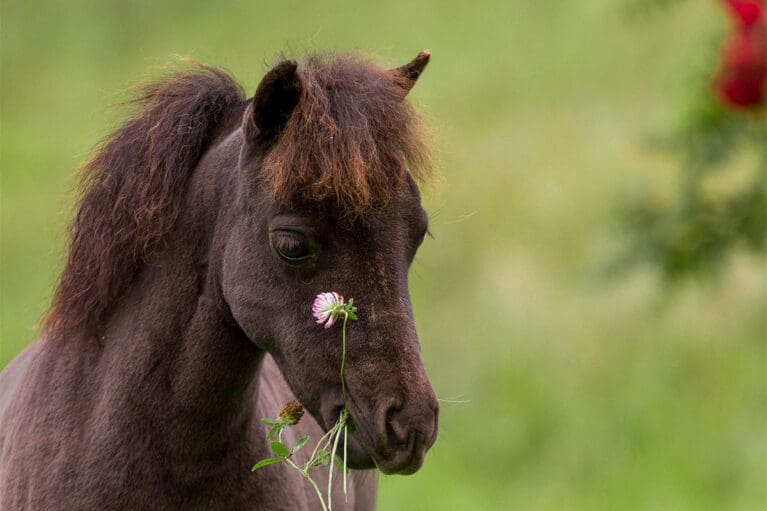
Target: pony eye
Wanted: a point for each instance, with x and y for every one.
(290, 246)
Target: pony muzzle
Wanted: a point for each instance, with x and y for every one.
(397, 436)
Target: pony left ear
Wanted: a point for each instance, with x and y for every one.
(276, 97)
(407, 75)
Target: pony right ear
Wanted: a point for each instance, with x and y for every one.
(276, 97)
(407, 75)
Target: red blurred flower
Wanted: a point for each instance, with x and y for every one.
(742, 79)
(745, 12)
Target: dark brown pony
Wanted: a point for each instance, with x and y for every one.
(207, 225)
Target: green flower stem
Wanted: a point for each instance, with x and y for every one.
(316, 489)
(343, 357)
(346, 429)
(320, 444)
(330, 474)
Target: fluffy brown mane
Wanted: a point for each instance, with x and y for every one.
(131, 191)
(352, 138)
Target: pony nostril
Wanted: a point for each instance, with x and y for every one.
(396, 432)
(385, 422)
(406, 430)
(412, 430)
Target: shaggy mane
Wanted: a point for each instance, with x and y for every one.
(131, 192)
(351, 139)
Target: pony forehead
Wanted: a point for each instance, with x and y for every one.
(352, 139)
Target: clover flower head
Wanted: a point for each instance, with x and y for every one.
(328, 307)
(292, 412)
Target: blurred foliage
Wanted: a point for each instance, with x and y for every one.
(646, 8)
(711, 215)
(716, 209)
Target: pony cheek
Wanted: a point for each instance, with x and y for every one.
(248, 320)
(244, 292)
(250, 311)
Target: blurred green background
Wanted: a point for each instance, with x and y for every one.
(562, 390)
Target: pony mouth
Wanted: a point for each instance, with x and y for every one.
(363, 452)
(357, 453)
(357, 456)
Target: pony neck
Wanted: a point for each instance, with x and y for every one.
(172, 350)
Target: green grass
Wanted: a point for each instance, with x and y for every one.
(573, 393)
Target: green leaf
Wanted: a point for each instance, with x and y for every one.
(275, 429)
(263, 463)
(279, 449)
(271, 422)
(300, 443)
(323, 457)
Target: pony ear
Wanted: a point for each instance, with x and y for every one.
(276, 97)
(407, 75)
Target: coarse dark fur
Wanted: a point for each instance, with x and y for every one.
(206, 226)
